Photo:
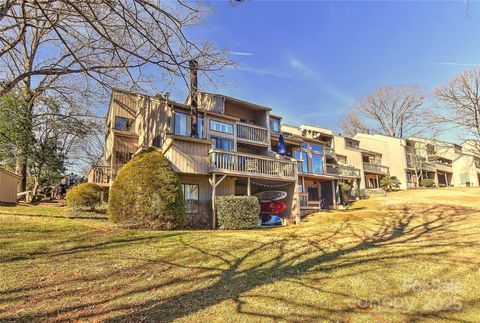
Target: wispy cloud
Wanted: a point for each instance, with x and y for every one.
(241, 53)
(259, 71)
(308, 72)
(455, 64)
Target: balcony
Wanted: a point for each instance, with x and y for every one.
(375, 168)
(229, 162)
(252, 134)
(443, 166)
(342, 170)
(424, 166)
(99, 175)
(329, 152)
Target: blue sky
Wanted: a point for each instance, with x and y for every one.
(309, 61)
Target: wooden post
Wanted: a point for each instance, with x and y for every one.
(112, 156)
(436, 179)
(446, 179)
(295, 211)
(249, 192)
(214, 217)
(334, 195)
(378, 182)
(319, 192)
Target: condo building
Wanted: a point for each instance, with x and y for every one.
(235, 153)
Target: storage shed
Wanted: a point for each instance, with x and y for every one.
(8, 186)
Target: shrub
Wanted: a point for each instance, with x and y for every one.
(147, 194)
(428, 182)
(388, 183)
(346, 191)
(84, 195)
(237, 212)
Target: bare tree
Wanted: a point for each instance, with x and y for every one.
(352, 124)
(77, 48)
(461, 110)
(104, 40)
(395, 111)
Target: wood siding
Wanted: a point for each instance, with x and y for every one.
(8, 186)
(204, 217)
(153, 119)
(189, 156)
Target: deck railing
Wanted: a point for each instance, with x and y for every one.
(374, 168)
(424, 166)
(303, 199)
(99, 175)
(241, 163)
(252, 133)
(342, 170)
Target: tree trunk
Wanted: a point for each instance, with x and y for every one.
(35, 190)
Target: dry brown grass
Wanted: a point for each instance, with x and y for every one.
(404, 257)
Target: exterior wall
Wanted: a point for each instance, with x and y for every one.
(204, 218)
(393, 153)
(153, 119)
(464, 171)
(354, 156)
(189, 155)
(211, 102)
(8, 186)
(122, 104)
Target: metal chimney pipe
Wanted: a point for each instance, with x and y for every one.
(193, 98)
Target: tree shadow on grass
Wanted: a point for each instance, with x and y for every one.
(410, 225)
(409, 233)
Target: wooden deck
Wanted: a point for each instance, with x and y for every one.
(252, 134)
(99, 175)
(374, 168)
(229, 162)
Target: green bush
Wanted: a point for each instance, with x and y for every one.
(237, 212)
(147, 194)
(428, 182)
(84, 195)
(389, 183)
(345, 192)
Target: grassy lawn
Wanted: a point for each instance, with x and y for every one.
(410, 256)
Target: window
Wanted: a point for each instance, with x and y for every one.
(222, 143)
(430, 149)
(190, 195)
(157, 142)
(317, 164)
(317, 148)
(351, 143)
(122, 123)
(275, 125)
(221, 126)
(304, 157)
(183, 124)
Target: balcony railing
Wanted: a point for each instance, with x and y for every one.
(342, 170)
(329, 151)
(303, 199)
(426, 166)
(252, 133)
(99, 175)
(234, 162)
(374, 168)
